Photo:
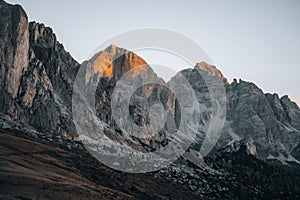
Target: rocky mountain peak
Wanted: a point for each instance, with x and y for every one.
(285, 99)
(42, 36)
(210, 70)
(114, 50)
(105, 61)
(245, 87)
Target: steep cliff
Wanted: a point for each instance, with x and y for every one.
(14, 48)
(36, 74)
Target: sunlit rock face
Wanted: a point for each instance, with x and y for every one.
(104, 71)
(105, 64)
(121, 61)
(211, 70)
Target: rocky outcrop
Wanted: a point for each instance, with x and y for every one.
(36, 74)
(264, 117)
(247, 144)
(103, 71)
(14, 47)
(59, 65)
(46, 88)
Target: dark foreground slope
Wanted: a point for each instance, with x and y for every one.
(30, 169)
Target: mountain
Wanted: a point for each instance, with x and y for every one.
(36, 74)
(37, 86)
(272, 123)
(38, 80)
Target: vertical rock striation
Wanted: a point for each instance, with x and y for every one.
(14, 47)
(36, 73)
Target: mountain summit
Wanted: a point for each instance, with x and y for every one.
(103, 62)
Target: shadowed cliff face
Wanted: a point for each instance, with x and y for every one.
(14, 47)
(273, 126)
(105, 63)
(46, 88)
(36, 74)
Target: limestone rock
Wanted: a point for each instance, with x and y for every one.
(14, 47)
(36, 74)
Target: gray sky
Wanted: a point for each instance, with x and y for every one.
(258, 41)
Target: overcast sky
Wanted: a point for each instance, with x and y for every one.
(258, 41)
